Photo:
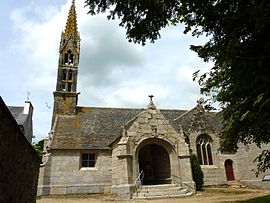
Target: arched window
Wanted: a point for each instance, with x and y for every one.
(68, 58)
(204, 150)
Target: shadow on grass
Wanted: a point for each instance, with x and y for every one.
(263, 199)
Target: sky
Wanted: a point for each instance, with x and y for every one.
(112, 71)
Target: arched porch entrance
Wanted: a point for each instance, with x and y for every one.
(229, 170)
(154, 161)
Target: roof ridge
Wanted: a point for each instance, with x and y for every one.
(128, 108)
(15, 106)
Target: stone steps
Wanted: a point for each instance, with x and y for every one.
(160, 191)
(236, 184)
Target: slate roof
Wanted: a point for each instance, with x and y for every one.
(97, 128)
(17, 113)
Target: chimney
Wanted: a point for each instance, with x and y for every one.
(28, 108)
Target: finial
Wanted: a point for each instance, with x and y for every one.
(73, 2)
(151, 105)
(200, 101)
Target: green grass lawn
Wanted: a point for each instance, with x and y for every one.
(263, 199)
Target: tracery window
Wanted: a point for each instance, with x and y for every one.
(204, 150)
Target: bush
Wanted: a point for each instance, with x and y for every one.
(196, 172)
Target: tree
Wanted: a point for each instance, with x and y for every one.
(197, 173)
(39, 147)
(238, 44)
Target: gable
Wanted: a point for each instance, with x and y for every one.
(151, 123)
(198, 120)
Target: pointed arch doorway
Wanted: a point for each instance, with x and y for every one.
(154, 161)
(229, 170)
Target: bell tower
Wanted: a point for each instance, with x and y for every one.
(66, 96)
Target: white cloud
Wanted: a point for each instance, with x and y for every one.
(112, 72)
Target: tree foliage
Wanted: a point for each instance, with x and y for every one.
(197, 173)
(238, 44)
(39, 147)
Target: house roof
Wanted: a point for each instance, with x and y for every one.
(97, 128)
(10, 113)
(17, 113)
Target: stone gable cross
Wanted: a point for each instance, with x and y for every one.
(151, 97)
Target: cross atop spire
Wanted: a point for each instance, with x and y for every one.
(71, 25)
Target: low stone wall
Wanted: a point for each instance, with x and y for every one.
(62, 174)
(19, 163)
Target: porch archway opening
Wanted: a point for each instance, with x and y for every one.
(154, 161)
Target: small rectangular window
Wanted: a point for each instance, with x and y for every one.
(88, 160)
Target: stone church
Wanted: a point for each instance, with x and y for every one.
(131, 152)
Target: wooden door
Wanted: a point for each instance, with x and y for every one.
(229, 170)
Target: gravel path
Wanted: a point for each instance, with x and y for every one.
(212, 195)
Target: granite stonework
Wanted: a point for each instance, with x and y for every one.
(244, 165)
(127, 142)
(117, 165)
(19, 162)
(149, 127)
(63, 173)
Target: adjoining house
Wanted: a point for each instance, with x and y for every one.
(23, 115)
(116, 150)
(19, 162)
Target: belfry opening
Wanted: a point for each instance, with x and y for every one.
(154, 161)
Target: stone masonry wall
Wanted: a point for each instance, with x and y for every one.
(63, 175)
(19, 163)
(243, 163)
(246, 167)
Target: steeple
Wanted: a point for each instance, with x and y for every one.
(71, 25)
(66, 96)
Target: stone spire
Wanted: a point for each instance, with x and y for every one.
(66, 95)
(69, 54)
(71, 25)
(151, 104)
